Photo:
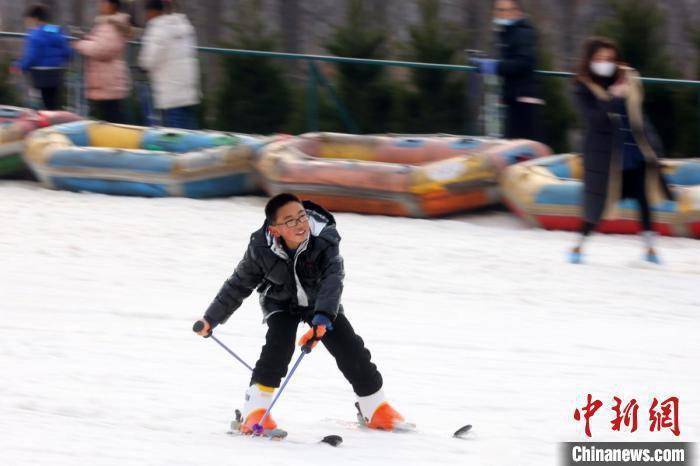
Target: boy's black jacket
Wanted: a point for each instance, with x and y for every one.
(265, 265)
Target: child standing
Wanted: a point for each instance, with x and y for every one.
(106, 70)
(46, 55)
(294, 261)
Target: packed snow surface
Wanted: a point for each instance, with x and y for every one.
(473, 319)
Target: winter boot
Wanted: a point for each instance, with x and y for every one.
(649, 238)
(576, 254)
(652, 257)
(376, 413)
(575, 257)
(257, 400)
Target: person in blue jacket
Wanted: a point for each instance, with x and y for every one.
(46, 53)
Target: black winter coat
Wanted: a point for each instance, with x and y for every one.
(600, 138)
(317, 267)
(602, 160)
(518, 56)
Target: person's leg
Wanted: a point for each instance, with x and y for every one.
(180, 117)
(96, 110)
(640, 194)
(116, 111)
(352, 358)
(354, 361)
(637, 178)
(269, 370)
(174, 118)
(277, 351)
(107, 110)
(46, 97)
(168, 118)
(585, 232)
(645, 211)
(521, 121)
(510, 129)
(192, 117)
(50, 97)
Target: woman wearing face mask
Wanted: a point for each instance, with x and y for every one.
(619, 149)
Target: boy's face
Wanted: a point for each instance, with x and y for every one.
(291, 224)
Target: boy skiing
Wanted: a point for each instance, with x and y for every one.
(295, 263)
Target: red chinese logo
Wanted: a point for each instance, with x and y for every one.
(626, 416)
(662, 415)
(667, 418)
(588, 412)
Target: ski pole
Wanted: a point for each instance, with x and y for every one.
(258, 428)
(199, 325)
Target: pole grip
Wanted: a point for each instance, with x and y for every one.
(198, 326)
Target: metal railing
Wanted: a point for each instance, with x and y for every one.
(317, 79)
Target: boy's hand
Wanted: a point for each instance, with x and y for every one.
(319, 325)
(202, 328)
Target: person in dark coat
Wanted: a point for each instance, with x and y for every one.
(294, 262)
(46, 53)
(620, 149)
(517, 49)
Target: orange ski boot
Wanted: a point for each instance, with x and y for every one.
(257, 400)
(376, 413)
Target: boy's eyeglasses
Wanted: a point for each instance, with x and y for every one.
(292, 222)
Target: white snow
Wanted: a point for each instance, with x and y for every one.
(475, 319)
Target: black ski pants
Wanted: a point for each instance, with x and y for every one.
(522, 121)
(348, 349)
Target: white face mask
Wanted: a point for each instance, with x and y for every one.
(503, 21)
(604, 69)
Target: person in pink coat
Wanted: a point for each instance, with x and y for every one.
(106, 72)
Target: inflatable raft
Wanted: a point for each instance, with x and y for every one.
(152, 162)
(548, 193)
(15, 124)
(412, 176)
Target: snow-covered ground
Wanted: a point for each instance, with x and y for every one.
(474, 319)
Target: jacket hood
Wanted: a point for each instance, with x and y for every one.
(121, 21)
(47, 33)
(177, 24)
(47, 29)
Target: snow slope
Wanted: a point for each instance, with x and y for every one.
(473, 319)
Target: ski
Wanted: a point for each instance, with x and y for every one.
(402, 428)
(270, 434)
(408, 426)
(277, 434)
(462, 431)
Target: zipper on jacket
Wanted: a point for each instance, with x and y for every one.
(302, 298)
